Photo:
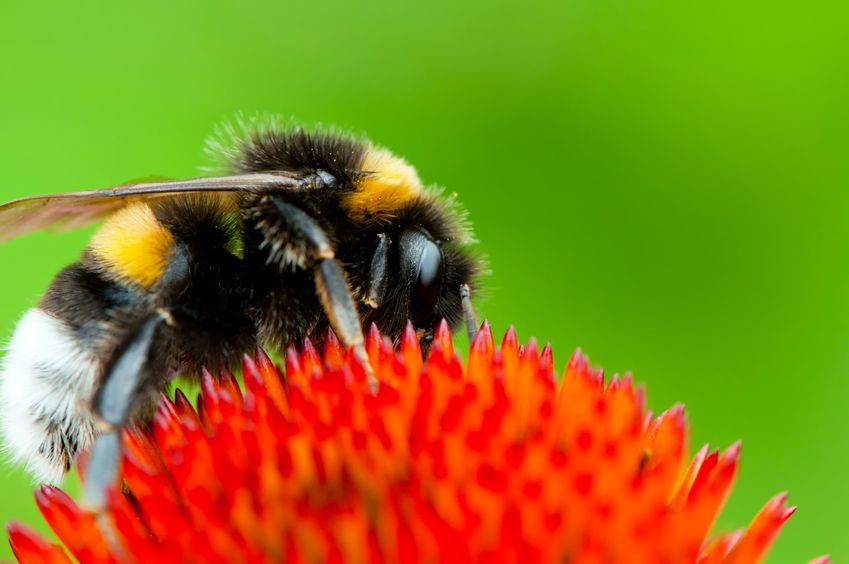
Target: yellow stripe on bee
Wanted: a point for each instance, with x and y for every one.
(133, 246)
(390, 183)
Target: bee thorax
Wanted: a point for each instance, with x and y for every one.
(46, 382)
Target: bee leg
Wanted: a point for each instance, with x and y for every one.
(378, 272)
(330, 280)
(468, 312)
(113, 403)
(101, 472)
(339, 305)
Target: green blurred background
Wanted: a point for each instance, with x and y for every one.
(661, 183)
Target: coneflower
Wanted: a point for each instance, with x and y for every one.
(497, 461)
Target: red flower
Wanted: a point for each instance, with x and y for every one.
(494, 462)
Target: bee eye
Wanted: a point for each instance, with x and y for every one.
(423, 265)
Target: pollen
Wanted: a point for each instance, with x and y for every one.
(390, 182)
(133, 246)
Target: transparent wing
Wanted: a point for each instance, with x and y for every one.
(75, 209)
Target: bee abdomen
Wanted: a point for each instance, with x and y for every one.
(46, 382)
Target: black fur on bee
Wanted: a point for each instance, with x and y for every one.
(308, 232)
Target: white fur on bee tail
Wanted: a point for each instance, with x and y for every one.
(46, 380)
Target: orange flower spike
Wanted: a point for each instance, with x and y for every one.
(310, 360)
(267, 369)
(760, 534)
(411, 351)
(522, 387)
(546, 362)
(265, 396)
(480, 366)
(209, 408)
(441, 464)
(483, 344)
(294, 366)
(76, 529)
(230, 390)
(717, 550)
(373, 340)
(150, 485)
(665, 447)
(333, 355)
(509, 350)
(28, 546)
(706, 504)
(442, 336)
(268, 424)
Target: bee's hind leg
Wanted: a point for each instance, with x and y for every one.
(113, 403)
(116, 396)
(101, 473)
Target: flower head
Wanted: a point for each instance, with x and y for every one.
(492, 462)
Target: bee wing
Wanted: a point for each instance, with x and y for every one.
(75, 209)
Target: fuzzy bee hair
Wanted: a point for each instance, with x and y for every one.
(47, 374)
(304, 232)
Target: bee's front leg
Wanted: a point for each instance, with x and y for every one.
(378, 273)
(311, 247)
(468, 312)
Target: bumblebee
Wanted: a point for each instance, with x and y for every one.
(306, 231)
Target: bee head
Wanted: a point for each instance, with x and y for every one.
(422, 266)
(428, 264)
